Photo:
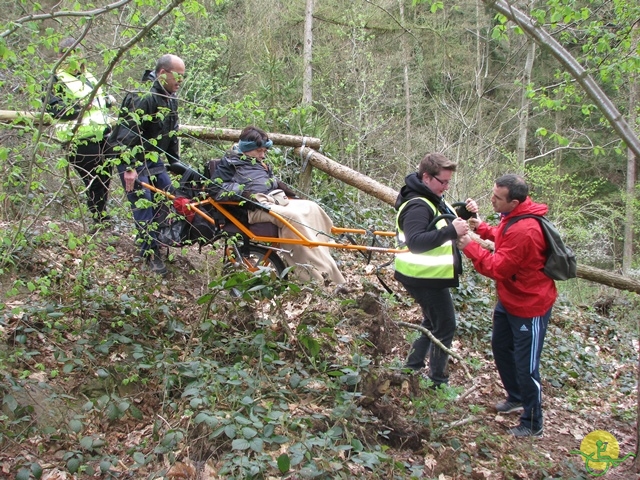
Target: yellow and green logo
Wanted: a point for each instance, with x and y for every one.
(600, 451)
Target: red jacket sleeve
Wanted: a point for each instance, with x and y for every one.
(518, 251)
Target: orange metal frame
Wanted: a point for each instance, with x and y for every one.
(300, 240)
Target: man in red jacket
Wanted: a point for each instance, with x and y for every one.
(525, 298)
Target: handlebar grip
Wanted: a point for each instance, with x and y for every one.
(464, 204)
(447, 216)
(177, 167)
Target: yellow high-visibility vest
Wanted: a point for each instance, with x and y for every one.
(432, 264)
(95, 119)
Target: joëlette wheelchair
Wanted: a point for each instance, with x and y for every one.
(194, 216)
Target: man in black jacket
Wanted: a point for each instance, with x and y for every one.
(146, 129)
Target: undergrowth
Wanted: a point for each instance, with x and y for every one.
(108, 372)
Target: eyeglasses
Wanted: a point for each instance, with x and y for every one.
(178, 76)
(444, 183)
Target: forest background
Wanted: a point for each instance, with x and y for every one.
(381, 83)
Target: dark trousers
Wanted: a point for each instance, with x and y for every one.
(517, 344)
(146, 209)
(89, 161)
(439, 318)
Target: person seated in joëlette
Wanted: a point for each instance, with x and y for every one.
(243, 174)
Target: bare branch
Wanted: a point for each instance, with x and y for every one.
(554, 150)
(437, 342)
(46, 16)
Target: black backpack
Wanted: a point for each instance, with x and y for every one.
(561, 261)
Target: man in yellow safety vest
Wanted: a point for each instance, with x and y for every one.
(72, 87)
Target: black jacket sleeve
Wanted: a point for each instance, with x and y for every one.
(128, 130)
(414, 220)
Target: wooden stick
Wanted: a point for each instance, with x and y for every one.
(437, 342)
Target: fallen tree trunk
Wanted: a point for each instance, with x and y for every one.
(232, 135)
(8, 116)
(347, 175)
(606, 277)
(202, 132)
(388, 195)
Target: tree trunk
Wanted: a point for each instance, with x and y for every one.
(348, 176)
(627, 250)
(611, 279)
(8, 116)
(307, 84)
(389, 195)
(407, 89)
(524, 104)
(232, 135)
(482, 59)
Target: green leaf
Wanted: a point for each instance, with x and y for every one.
(230, 431)
(135, 412)
(268, 430)
(243, 420)
(209, 420)
(284, 463)
(257, 444)
(311, 344)
(10, 402)
(295, 380)
(75, 426)
(240, 444)
(73, 464)
(86, 443)
(112, 412)
(248, 432)
(36, 470)
(23, 474)
(105, 466)
(204, 299)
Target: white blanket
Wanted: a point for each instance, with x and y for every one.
(308, 218)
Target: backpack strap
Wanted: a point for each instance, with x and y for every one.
(511, 221)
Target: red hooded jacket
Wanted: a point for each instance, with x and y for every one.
(517, 262)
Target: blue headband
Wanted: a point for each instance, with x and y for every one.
(247, 146)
